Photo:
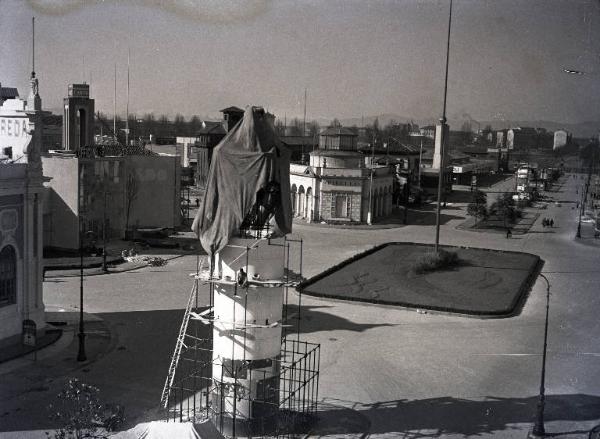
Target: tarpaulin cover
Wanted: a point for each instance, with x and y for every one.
(248, 158)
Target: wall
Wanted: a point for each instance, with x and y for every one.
(157, 203)
(60, 209)
(158, 200)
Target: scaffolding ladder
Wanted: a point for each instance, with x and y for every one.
(164, 400)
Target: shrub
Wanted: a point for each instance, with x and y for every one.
(433, 261)
(82, 415)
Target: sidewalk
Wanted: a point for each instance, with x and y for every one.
(60, 334)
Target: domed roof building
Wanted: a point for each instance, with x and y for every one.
(339, 185)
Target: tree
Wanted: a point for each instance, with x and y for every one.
(313, 128)
(478, 206)
(505, 208)
(194, 125)
(467, 134)
(81, 413)
(180, 125)
(131, 193)
(335, 123)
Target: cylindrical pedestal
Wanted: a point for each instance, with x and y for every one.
(247, 338)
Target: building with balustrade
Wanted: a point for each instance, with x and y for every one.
(339, 184)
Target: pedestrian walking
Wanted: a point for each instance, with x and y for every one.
(508, 233)
(551, 222)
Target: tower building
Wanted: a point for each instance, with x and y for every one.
(78, 120)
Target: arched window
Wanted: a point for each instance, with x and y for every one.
(8, 276)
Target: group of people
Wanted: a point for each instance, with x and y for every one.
(548, 222)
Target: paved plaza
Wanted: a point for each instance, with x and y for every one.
(385, 371)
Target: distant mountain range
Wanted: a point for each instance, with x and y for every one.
(581, 129)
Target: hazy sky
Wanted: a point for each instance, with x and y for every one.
(355, 57)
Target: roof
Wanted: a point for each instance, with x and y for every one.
(474, 150)
(338, 131)
(298, 140)
(9, 92)
(335, 152)
(52, 119)
(525, 130)
(212, 128)
(232, 110)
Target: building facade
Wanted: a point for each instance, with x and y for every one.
(119, 193)
(21, 191)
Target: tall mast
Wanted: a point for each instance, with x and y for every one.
(127, 106)
(115, 107)
(32, 46)
(303, 127)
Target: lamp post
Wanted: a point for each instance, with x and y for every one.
(538, 428)
(578, 234)
(104, 266)
(81, 335)
(369, 213)
(442, 140)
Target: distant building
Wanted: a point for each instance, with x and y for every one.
(428, 131)
(526, 138)
(300, 146)
(208, 137)
(21, 193)
(338, 138)
(104, 185)
(336, 185)
(126, 191)
(562, 138)
(78, 118)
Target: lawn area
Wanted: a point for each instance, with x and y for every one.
(486, 282)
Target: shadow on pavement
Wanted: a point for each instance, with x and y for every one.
(439, 417)
(316, 319)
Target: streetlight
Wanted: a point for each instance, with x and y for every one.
(442, 140)
(81, 335)
(104, 266)
(538, 428)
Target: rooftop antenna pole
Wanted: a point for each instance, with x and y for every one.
(115, 107)
(33, 45)
(83, 67)
(303, 126)
(127, 107)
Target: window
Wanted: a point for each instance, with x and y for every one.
(8, 276)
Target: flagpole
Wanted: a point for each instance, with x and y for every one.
(127, 107)
(115, 107)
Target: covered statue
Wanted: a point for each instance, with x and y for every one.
(248, 186)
